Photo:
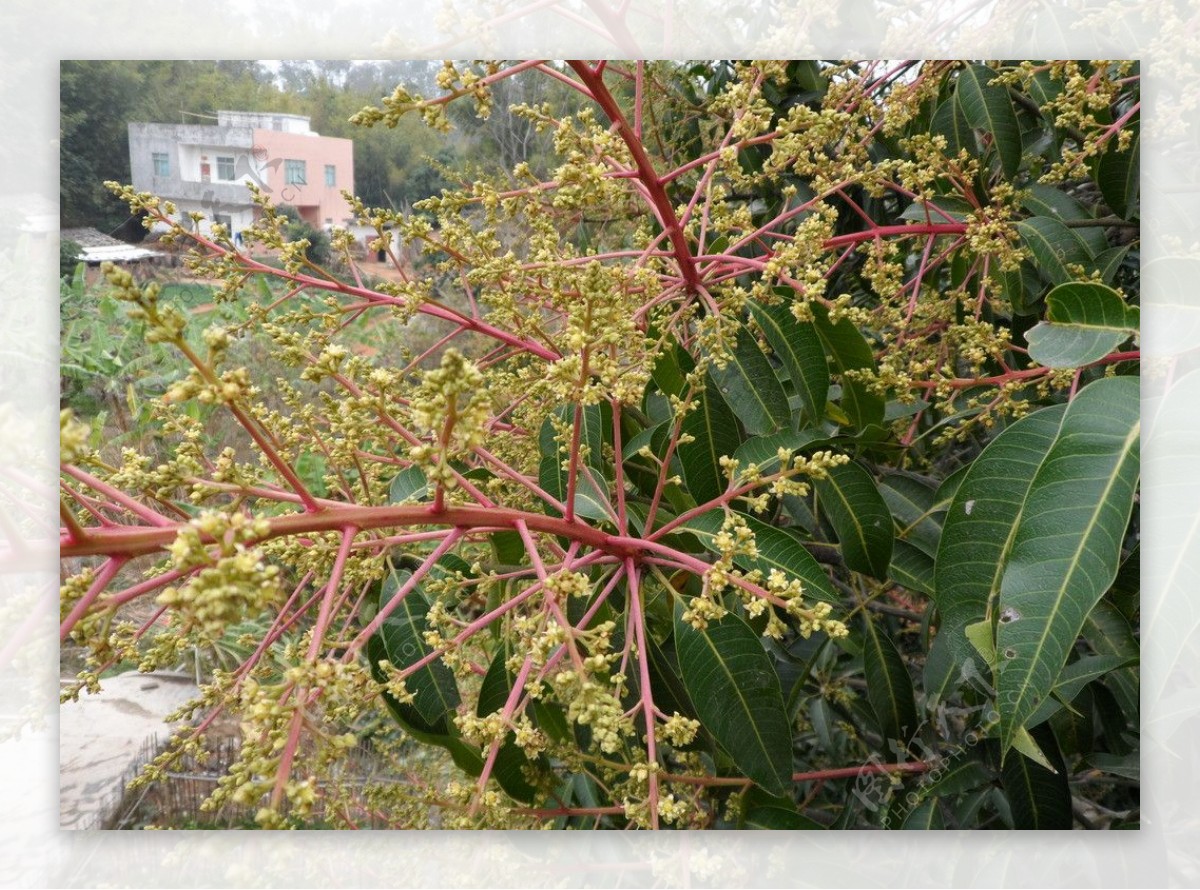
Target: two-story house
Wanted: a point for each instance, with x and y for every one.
(208, 168)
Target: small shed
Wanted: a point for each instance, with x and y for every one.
(100, 248)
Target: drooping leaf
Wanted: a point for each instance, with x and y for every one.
(408, 485)
(1039, 797)
(764, 450)
(978, 532)
(860, 518)
(912, 567)
(1117, 176)
(713, 428)
(444, 734)
(1053, 246)
(848, 350)
(889, 686)
(1046, 200)
(751, 388)
(774, 817)
(511, 762)
(943, 208)
(736, 692)
(592, 499)
(1072, 680)
(986, 106)
(1109, 634)
(434, 690)
(1084, 322)
(1067, 546)
(950, 121)
(925, 817)
(799, 348)
(913, 501)
(776, 550)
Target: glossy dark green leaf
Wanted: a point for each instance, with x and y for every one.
(912, 501)
(434, 690)
(1053, 247)
(779, 818)
(926, 817)
(764, 450)
(798, 346)
(443, 734)
(776, 550)
(1040, 799)
(1117, 176)
(1107, 262)
(511, 762)
(889, 686)
(941, 209)
(714, 430)
(592, 499)
(1109, 634)
(986, 106)
(1084, 322)
(912, 568)
(1067, 546)
(1046, 200)
(861, 519)
(848, 350)
(1072, 680)
(751, 388)
(595, 428)
(978, 532)
(736, 692)
(950, 121)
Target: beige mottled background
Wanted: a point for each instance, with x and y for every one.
(36, 34)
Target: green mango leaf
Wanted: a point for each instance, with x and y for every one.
(889, 686)
(772, 817)
(848, 350)
(1038, 794)
(591, 501)
(1053, 247)
(986, 106)
(977, 534)
(950, 121)
(764, 450)
(1045, 200)
(444, 734)
(714, 430)
(799, 347)
(1117, 176)
(912, 567)
(1067, 546)
(913, 503)
(435, 692)
(1072, 680)
(860, 518)
(511, 762)
(751, 388)
(925, 817)
(595, 428)
(409, 485)
(940, 209)
(735, 690)
(1107, 262)
(776, 550)
(1109, 634)
(1084, 322)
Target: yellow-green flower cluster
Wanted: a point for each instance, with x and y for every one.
(452, 407)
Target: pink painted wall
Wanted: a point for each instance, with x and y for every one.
(316, 201)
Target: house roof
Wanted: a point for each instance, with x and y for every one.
(101, 248)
